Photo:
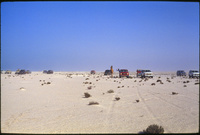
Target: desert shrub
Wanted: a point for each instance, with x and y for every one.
(158, 80)
(196, 83)
(87, 95)
(110, 91)
(135, 81)
(117, 98)
(188, 81)
(87, 79)
(153, 84)
(90, 87)
(137, 100)
(48, 82)
(184, 85)
(93, 103)
(168, 80)
(118, 87)
(154, 129)
(174, 93)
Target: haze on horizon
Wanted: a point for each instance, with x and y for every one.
(82, 36)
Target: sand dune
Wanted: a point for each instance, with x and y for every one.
(56, 103)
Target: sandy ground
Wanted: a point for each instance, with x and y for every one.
(30, 105)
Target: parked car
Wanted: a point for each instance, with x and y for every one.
(139, 72)
(180, 73)
(17, 72)
(45, 71)
(123, 73)
(50, 72)
(22, 72)
(93, 72)
(146, 73)
(28, 72)
(107, 72)
(193, 74)
(8, 72)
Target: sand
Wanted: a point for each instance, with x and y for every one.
(30, 105)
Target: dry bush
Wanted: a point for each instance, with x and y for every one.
(89, 88)
(154, 129)
(87, 79)
(122, 86)
(48, 82)
(110, 91)
(184, 85)
(118, 87)
(87, 95)
(137, 101)
(168, 80)
(174, 93)
(85, 82)
(196, 83)
(158, 80)
(93, 103)
(153, 84)
(117, 98)
(135, 81)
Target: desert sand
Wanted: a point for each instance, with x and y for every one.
(55, 103)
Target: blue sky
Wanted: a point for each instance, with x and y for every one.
(81, 36)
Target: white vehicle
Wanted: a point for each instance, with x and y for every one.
(146, 73)
(193, 74)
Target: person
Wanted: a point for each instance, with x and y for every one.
(111, 69)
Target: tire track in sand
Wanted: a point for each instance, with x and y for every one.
(148, 109)
(109, 113)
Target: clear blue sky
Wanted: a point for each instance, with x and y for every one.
(81, 36)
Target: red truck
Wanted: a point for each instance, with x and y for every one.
(92, 72)
(123, 73)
